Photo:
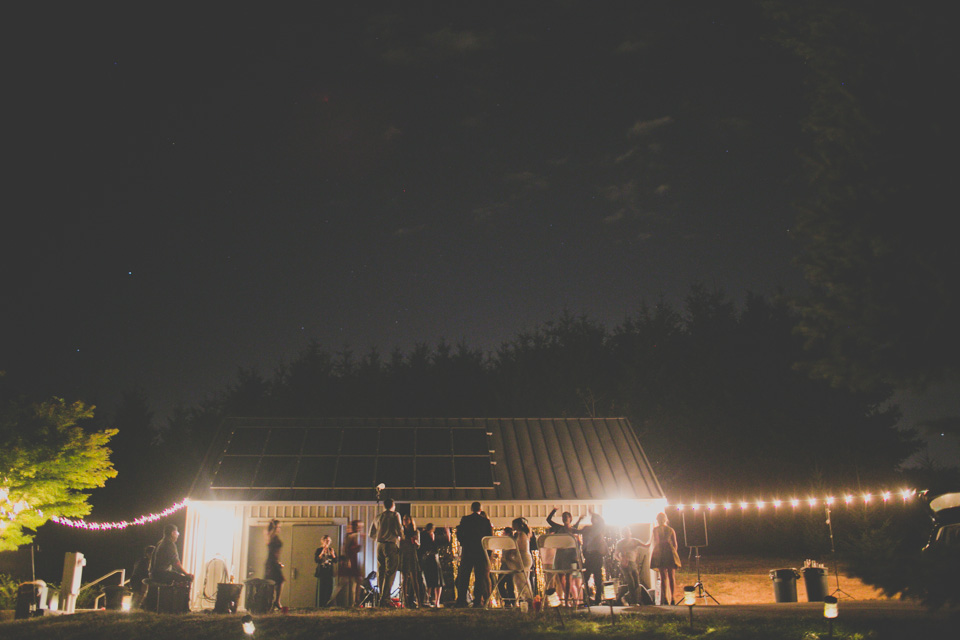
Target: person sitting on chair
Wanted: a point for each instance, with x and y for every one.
(165, 567)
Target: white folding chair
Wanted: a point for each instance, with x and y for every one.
(558, 542)
(503, 544)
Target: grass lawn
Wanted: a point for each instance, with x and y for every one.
(805, 624)
(732, 580)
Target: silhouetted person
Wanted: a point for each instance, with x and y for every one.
(326, 558)
(388, 531)
(273, 569)
(664, 558)
(470, 532)
(565, 559)
(165, 567)
(141, 572)
(594, 549)
(628, 555)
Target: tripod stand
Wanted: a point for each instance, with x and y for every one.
(695, 538)
(701, 590)
(833, 552)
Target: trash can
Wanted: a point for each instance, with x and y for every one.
(259, 598)
(228, 596)
(784, 584)
(114, 597)
(815, 580)
(31, 598)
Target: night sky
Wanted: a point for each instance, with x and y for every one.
(199, 189)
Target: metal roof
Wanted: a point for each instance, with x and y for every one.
(548, 459)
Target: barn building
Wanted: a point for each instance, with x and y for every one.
(316, 475)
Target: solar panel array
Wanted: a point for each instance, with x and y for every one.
(355, 457)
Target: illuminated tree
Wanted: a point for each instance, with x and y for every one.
(47, 460)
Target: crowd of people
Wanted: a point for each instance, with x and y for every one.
(401, 547)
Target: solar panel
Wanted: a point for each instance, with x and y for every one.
(435, 472)
(355, 457)
(236, 471)
(397, 441)
(284, 442)
(359, 441)
(315, 472)
(395, 471)
(321, 442)
(275, 471)
(470, 442)
(473, 472)
(433, 442)
(355, 472)
(247, 442)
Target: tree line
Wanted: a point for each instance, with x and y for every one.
(712, 389)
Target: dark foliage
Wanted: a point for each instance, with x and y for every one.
(712, 390)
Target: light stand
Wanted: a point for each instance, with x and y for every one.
(701, 590)
(692, 542)
(833, 552)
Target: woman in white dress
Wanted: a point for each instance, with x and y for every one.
(521, 563)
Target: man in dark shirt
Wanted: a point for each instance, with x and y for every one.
(594, 549)
(387, 530)
(470, 532)
(166, 567)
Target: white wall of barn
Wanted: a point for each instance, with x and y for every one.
(221, 529)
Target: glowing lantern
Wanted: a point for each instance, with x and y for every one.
(830, 607)
(553, 598)
(610, 590)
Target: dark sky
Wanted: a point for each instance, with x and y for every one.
(198, 189)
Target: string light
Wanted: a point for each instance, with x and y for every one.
(123, 524)
(905, 494)
(10, 509)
